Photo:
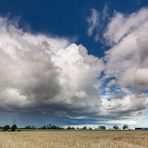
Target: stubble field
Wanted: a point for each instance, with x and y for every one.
(74, 139)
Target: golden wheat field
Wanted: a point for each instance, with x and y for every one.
(74, 139)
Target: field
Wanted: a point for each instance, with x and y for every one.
(74, 139)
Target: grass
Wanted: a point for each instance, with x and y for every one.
(74, 139)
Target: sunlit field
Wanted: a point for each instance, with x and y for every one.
(74, 139)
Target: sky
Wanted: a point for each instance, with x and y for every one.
(74, 62)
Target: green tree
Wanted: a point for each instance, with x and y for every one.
(90, 128)
(84, 128)
(102, 127)
(115, 127)
(6, 127)
(125, 126)
(70, 128)
(30, 127)
(14, 127)
(77, 128)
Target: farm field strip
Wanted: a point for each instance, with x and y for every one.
(74, 139)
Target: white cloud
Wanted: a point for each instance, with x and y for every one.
(122, 122)
(42, 72)
(53, 76)
(121, 25)
(127, 103)
(93, 22)
(96, 23)
(105, 13)
(127, 62)
(127, 59)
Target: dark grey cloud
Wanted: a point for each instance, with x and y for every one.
(48, 76)
(44, 74)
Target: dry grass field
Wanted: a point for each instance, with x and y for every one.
(74, 139)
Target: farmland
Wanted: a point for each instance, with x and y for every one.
(74, 139)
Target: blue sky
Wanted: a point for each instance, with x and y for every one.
(65, 18)
(74, 62)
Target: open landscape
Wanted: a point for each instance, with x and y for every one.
(74, 139)
(73, 73)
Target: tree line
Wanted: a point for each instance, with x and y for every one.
(50, 126)
(9, 128)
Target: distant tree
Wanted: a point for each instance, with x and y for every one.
(102, 127)
(43, 127)
(49, 126)
(70, 128)
(30, 127)
(73, 128)
(125, 126)
(13, 127)
(53, 127)
(84, 128)
(6, 127)
(90, 128)
(115, 127)
(77, 128)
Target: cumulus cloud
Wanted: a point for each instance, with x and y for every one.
(39, 73)
(45, 73)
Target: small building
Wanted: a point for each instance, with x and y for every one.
(141, 128)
